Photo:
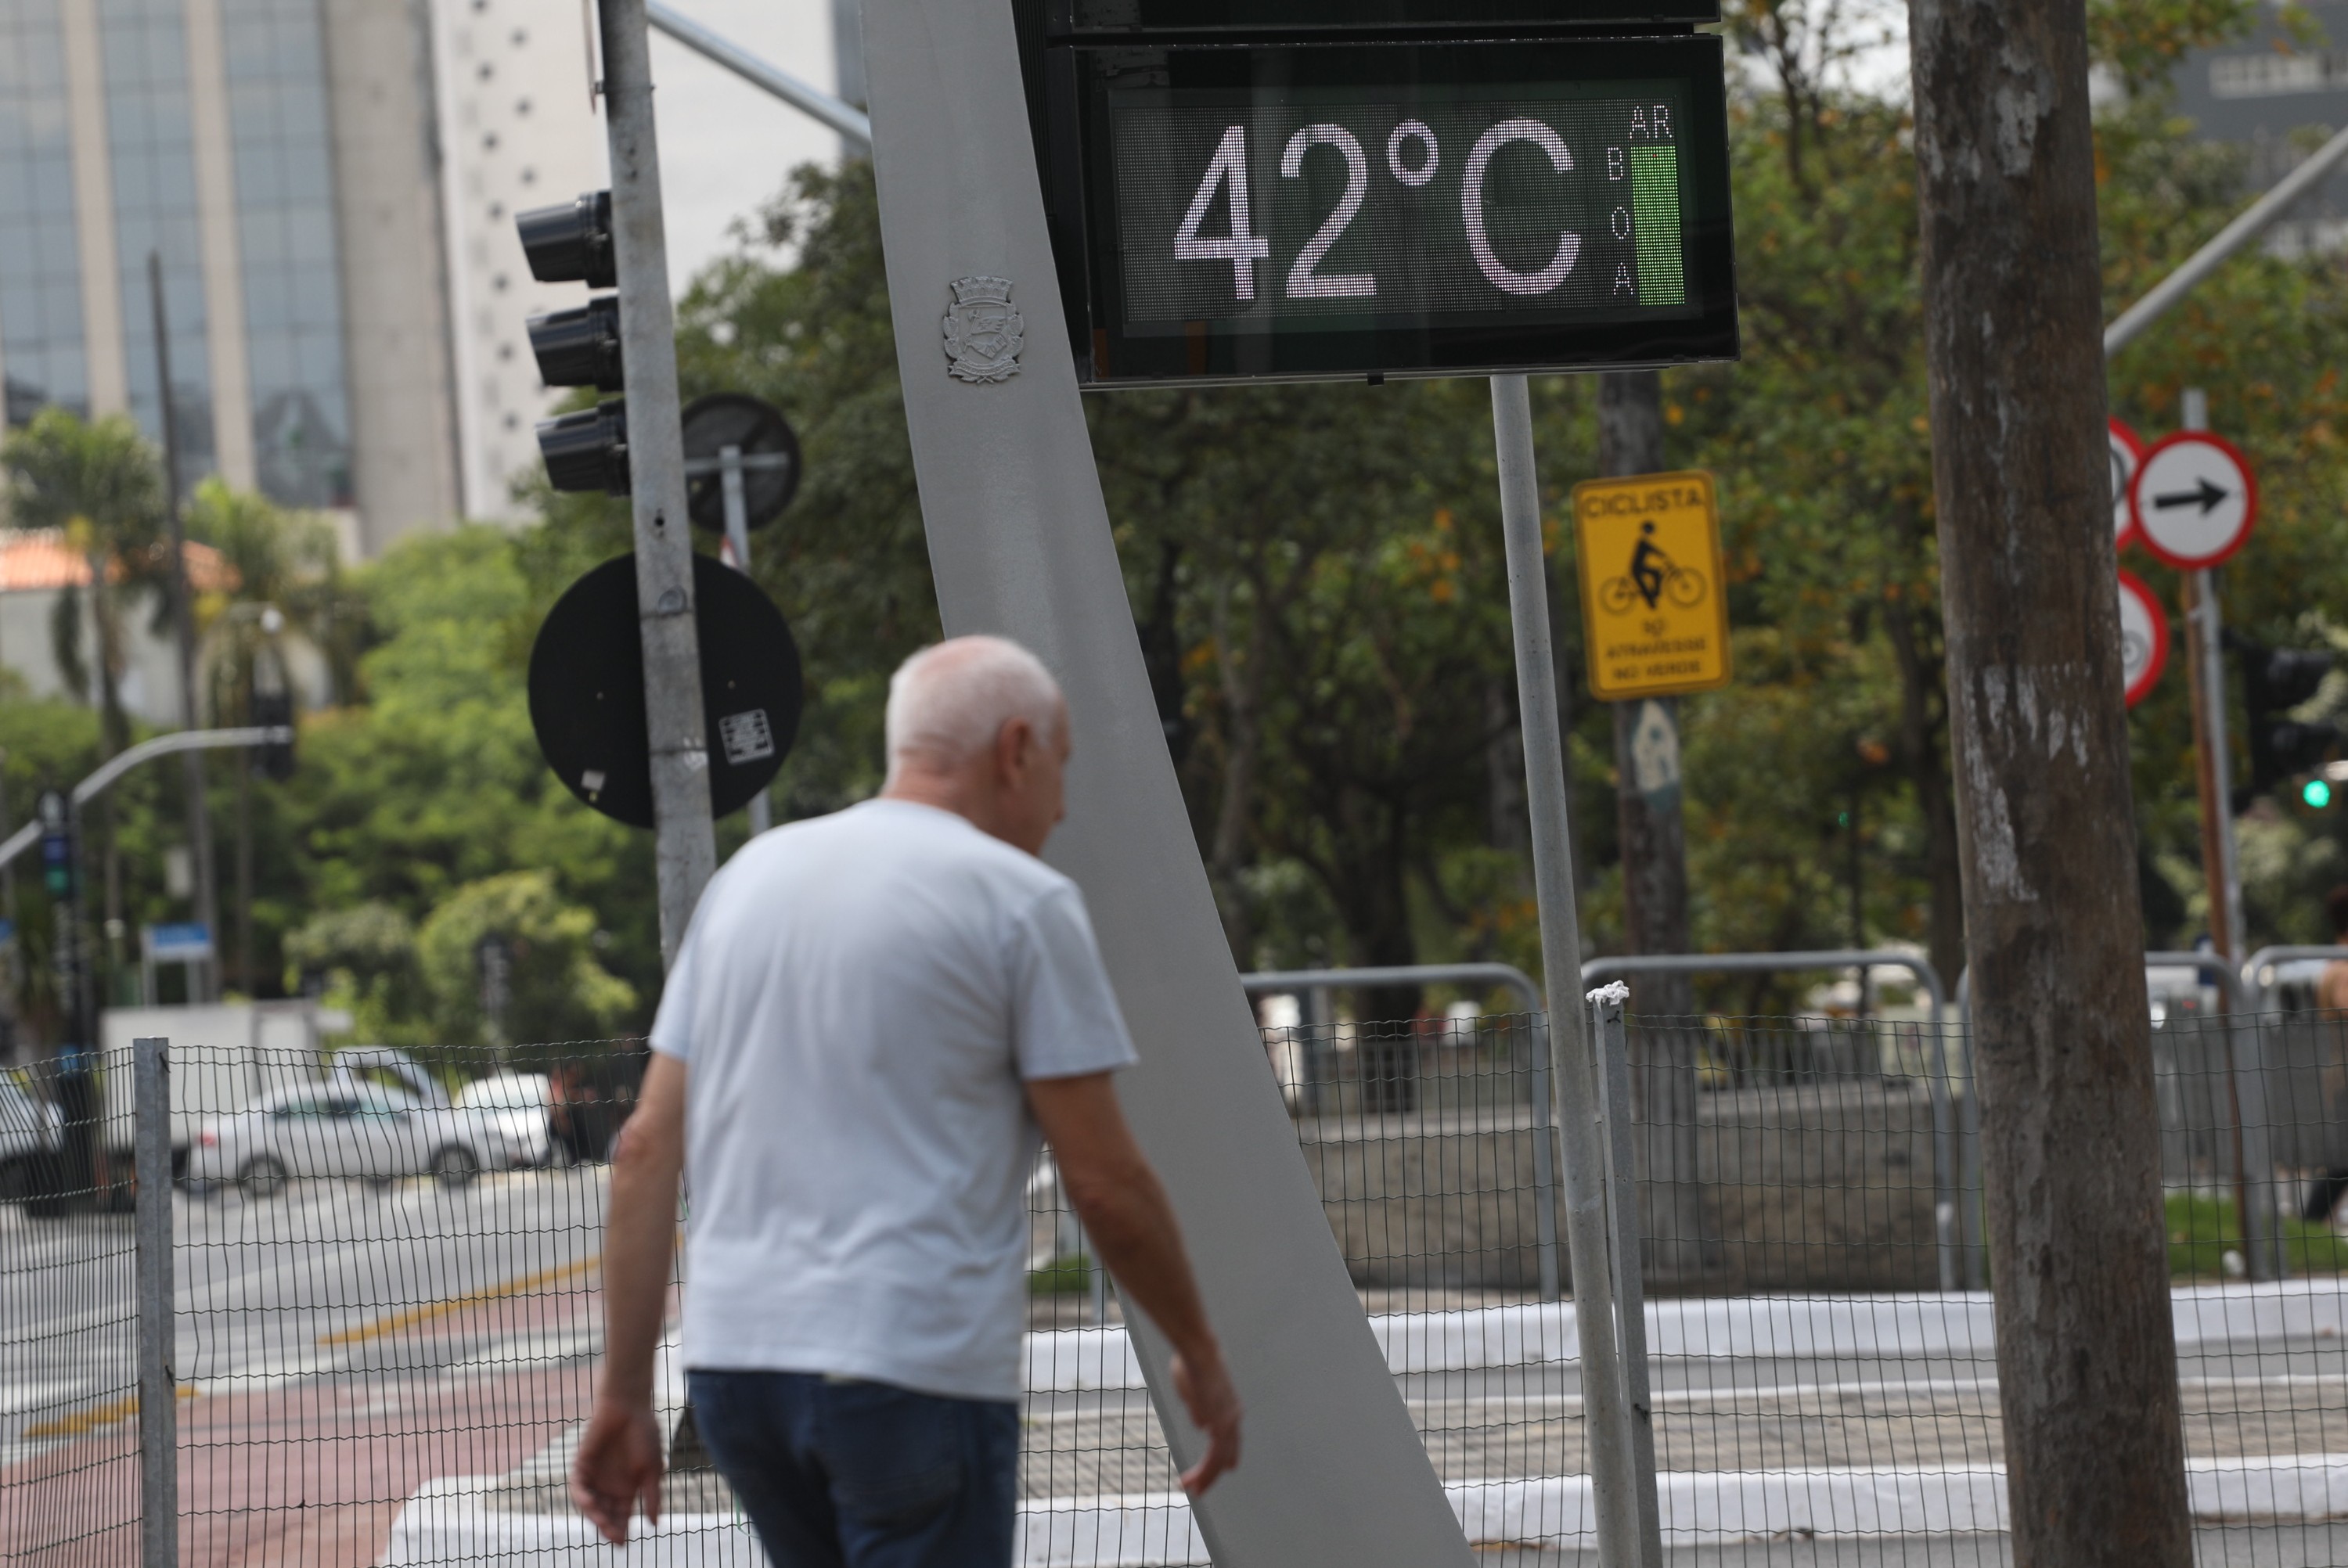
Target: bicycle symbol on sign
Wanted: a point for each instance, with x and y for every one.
(1652, 577)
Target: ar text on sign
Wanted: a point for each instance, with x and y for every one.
(1654, 606)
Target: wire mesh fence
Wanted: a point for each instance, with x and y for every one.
(386, 1276)
(69, 1475)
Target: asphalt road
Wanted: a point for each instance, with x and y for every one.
(342, 1345)
(338, 1347)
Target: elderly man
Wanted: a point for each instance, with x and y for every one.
(872, 1016)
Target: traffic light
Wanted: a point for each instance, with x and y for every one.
(57, 845)
(275, 710)
(572, 243)
(2274, 681)
(2316, 792)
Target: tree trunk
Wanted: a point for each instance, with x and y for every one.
(1653, 834)
(2085, 1347)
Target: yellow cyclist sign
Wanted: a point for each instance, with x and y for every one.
(1654, 618)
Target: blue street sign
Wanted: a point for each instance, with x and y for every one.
(183, 943)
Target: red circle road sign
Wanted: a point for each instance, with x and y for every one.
(2194, 499)
(2128, 456)
(2144, 637)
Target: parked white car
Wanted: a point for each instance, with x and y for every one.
(345, 1128)
(31, 1133)
(520, 1103)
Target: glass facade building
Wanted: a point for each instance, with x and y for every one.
(149, 141)
(277, 159)
(43, 351)
(285, 230)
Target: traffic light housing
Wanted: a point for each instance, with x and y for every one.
(57, 845)
(581, 347)
(572, 243)
(274, 710)
(587, 450)
(2274, 681)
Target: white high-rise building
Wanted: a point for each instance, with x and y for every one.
(519, 128)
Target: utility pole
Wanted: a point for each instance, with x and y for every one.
(1654, 835)
(183, 625)
(2205, 649)
(2087, 1352)
(686, 843)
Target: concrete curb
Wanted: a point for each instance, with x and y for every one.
(1956, 1324)
(448, 1523)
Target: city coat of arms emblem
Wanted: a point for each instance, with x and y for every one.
(983, 332)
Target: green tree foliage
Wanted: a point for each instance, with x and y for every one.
(435, 782)
(557, 989)
(276, 560)
(100, 485)
(364, 958)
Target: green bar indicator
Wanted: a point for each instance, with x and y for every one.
(1655, 203)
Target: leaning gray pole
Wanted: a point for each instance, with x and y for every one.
(1019, 540)
(1574, 1075)
(685, 842)
(159, 1388)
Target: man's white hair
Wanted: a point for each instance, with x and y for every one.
(949, 701)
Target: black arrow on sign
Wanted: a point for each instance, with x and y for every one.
(2208, 495)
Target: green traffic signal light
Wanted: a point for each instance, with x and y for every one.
(2317, 793)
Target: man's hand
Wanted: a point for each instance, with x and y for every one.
(617, 1466)
(1214, 1405)
(619, 1459)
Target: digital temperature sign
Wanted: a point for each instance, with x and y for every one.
(1320, 210)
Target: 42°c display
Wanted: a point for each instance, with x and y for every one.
(1314, 211)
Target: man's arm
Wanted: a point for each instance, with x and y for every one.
(619, 1459)
(1126, 1213)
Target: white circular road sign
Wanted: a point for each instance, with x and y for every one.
(2128, 456)
(2144, 637)
(2194, 499)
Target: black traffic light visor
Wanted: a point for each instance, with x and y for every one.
(571, 242)
(580, 347)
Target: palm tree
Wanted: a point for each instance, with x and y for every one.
(101, 484)
(283, 596)
(281, 559)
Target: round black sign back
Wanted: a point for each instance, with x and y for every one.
(758, 429)
(587, 689)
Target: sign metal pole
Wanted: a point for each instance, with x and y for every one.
(1574, 1076)
(158, 1389)
(738, 535)
(685, 842)
(2205, 638)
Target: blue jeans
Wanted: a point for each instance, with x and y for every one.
(843, 1474)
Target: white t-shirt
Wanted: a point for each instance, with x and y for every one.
(860, 1000)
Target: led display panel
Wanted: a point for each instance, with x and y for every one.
(1325, 211)
(1086, 17)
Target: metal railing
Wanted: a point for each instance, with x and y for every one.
(1959, 1266)
(1317, 983)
